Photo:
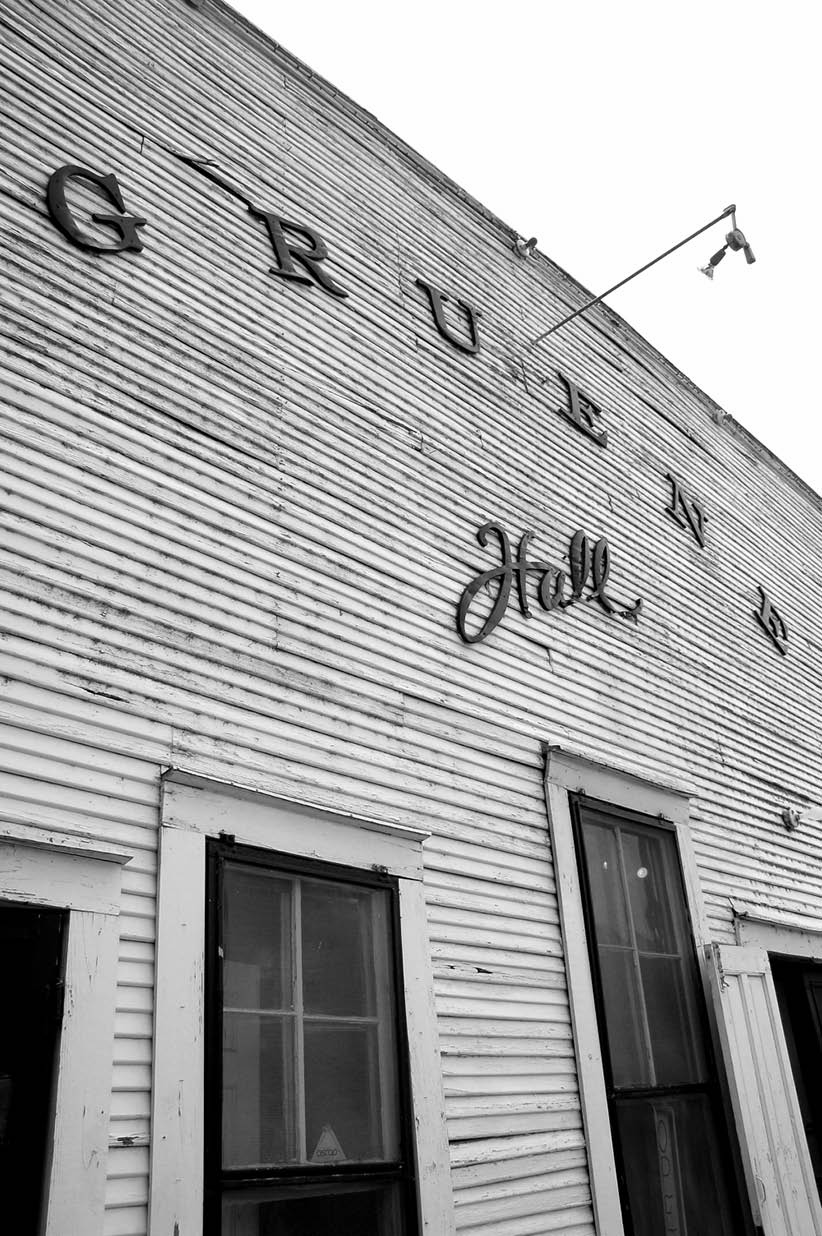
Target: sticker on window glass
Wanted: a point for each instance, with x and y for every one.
(328, 1149)
(670, 1176)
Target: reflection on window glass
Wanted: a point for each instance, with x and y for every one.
(650, 883)
(676, 1042)
(256, 940)
(259, 1114)
(630, 1063)
(673, 1167)
(308, 1051)
(342, 1096)
(338, 955)
(607, 886)
(648, 984)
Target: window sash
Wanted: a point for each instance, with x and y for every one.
(635, 955)
(623, 1099)
(384, 1022)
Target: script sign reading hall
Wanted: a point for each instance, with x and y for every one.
(589, 566)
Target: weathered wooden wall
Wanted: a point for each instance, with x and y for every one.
(238, 514)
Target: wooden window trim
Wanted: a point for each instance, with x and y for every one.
(83, 877)
(565, 774)
(193, 809)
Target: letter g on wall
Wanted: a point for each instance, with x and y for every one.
(124, 224)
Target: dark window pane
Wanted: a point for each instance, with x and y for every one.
(257, 972)
(259, 1123)
(813, 986)
(627, 1046)
(350, 1110)
(676, 1038)
(655, 891)
(673, 1168)
(605, 880)
(309, 1056)
(364, 1210)
(339, 922)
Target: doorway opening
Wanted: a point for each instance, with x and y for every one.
(31, 969)
(798, 983)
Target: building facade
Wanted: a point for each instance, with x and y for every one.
(411, 816)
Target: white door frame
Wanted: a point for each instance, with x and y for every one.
(777, 933)
(83, 877)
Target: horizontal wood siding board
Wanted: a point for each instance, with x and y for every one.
(238, 515)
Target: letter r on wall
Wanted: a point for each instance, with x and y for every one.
(288, 253)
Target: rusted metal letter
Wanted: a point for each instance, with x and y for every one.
(590, 566)
(600, 570)
(287, 253)
(126, 225)
(438, 299)
(594, 561)
(510, 569)
(503, 573)
(552, 589)
(687, 512)
(579, 557)
(772, 623)
(583, 413)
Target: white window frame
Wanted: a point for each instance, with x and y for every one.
(83, 877)
(193, 809)
(567, 773)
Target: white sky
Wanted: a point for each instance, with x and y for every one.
(610, 131)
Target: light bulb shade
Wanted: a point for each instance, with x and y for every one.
(707, 270)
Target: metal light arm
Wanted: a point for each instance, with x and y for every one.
(729, 210)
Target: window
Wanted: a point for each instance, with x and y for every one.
(320, 1013)
(667, 1122)
(304, 1129)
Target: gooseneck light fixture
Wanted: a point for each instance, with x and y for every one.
(734, 240)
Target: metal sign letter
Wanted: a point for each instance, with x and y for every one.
(125, 225)
(583, 413)
(590, 566)
(772, 622)
(438, 299)
(287, 254)
(687, 512)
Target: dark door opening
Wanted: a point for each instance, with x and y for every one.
(798, 984)
(31, 966)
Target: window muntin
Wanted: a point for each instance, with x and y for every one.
(305, 1133)
(666, 1118)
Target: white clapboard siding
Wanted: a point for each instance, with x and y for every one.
(237, 515)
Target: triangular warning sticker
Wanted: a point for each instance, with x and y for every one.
(328, 1149)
